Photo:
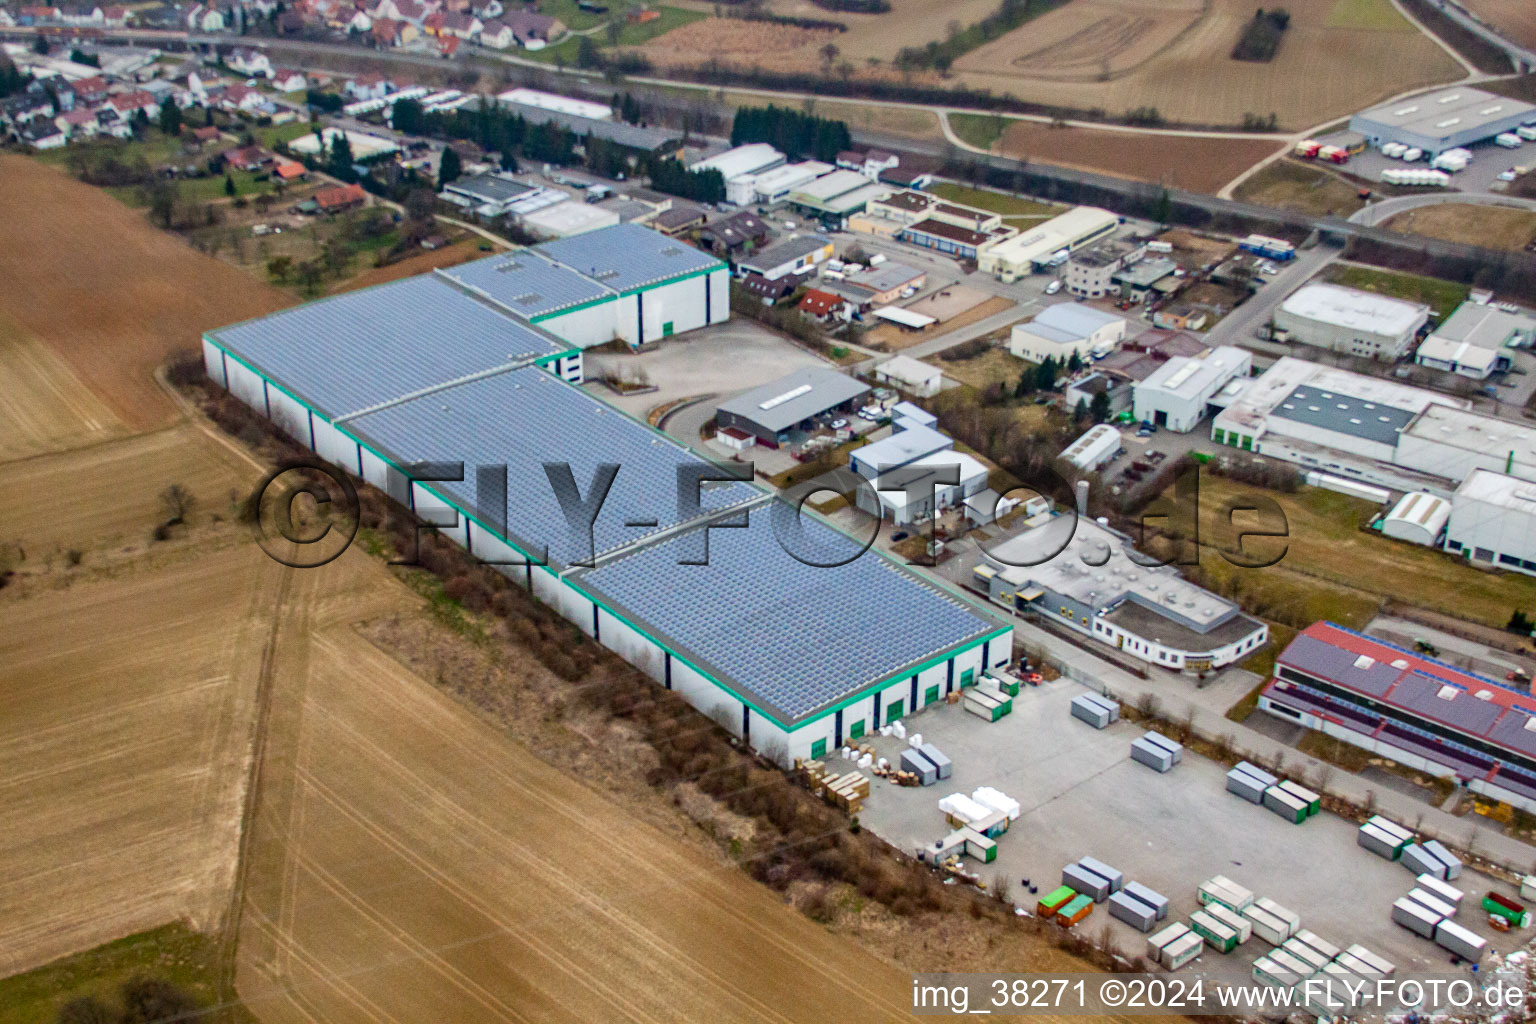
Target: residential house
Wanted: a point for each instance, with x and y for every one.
(289, 171)
(289, 80)
(247, 158)
(249, 62)
(678, 220)
(202, 18)
(23, 109)
(769, 290)
(63, 93)
(389, 32)
(41, 133)
(447, 46)
(412, 11)
(82, 14)
(496, 34)
(915, 180)
(822, 306)
(870, 163)
(534, 31)
(350, 20)
(37, 15)
(242, 97)
(204, 135)
(485, 10)
(91, 91)
(128, 104)
(452, 23)
(368, 87)
(77, 123)
(116, 16)
(110, 122)
(340, 198)
(7, 20)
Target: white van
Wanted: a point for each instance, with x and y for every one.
(1053, 287)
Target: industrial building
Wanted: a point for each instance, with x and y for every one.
(1358, 427)
(1475, 340)
(1449, 441)
(1417, 711)
(836, 196)
(1418, 518)
(1350, 321)
(795, 254)
(1493, 521)
(1064, 329)
(951, 239)
(636, 141)
(562, 220)
(878, 285)
(1091, 272)
(497, 194)
(771, 622)
(1180, 393)
(623, 282)
(1048, 244)
(914, 473)
(775, 411)
(1445, 119)
(556, 103)
(753, 158)
(1079, 574)
(774, 186)
(913, 376)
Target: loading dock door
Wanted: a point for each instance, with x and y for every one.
(967, 678)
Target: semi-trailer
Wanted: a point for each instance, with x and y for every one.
(1222, 938)
(1380, 842)
(1379, 964)
(1305, 953)
(1317, 942)
(1266, 925)
(1444, 890)
(1313, 802)
(1446, 857)
(1432, 903)
(1239, 924)
(1086, 882)
(1290, 918)
(1246, 786)
(1285, 805)
(1221, 889)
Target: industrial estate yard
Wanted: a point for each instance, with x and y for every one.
(808, 481)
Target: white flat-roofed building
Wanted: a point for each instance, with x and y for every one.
(1097, 445)
(775, 185)
(557, 103)
(1419, 518)
(1022, 254)
(1493, 520)
(910, 375)
(1451, 442)
(1441, 120)
(753, 158)
(1354, 322)
(915, 472)
(1475, 340)
(818, 193)
(1079, 574)
(1063, 329)
(563, 220)
(1178, 394)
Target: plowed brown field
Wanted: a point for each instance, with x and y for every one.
(1515, 18)
(1203, 164)
(107, 291)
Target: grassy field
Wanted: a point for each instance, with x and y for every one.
(174, 953)
(1493, 227)
(1333, 569)
(998, 202)
(1440, 296)
(979, 130)
(917, 124)
(1293, 186)
(1364, 14)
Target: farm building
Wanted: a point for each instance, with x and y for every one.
(1351, 321)
(1442, 120)
(1474, 341)
(910, 375)
(1371, 429)
(1415, 710)
(1419, 518)
(781, 630)
(1064, 329)
(1023, 254)
(772, 412)
(915, 472)
(795, 254)
(1058, 571)
(1493, 520)
(626, 282)
(1179, 394)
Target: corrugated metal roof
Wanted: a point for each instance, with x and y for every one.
(525, 418)
(351, 352)
(628, 256)
(809, 391)
(795, 637)
(528, 283)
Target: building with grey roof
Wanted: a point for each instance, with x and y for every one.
(1475, 341)
(1064, 329)
(794, 254)
(1351, 321)
(1081, 575)
(772, 412)
(634, 139)
(497, 194)
(1180, 393)
(1441, 120)
(785, 631)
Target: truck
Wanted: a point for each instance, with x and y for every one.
(1270, 248)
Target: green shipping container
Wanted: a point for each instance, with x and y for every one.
(1222, 938)
(1055, 900)
(1075, 910)
(1509, 910)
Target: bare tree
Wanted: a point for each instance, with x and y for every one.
(178, 503)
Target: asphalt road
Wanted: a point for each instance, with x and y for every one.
(1239, 326)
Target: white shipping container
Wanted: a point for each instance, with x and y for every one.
(1292, 963)
(1232, 919)
(1181, 951)
(1432, 903)
(1317, 942)
(1465, 944)
(1266, 925)
(1377, 963)
(1305, 953)
(1156, 943)
(1291, 920)
(1415, 917)
(1442, 890)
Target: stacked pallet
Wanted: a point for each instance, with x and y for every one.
(846, 791)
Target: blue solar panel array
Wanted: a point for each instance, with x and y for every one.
(525, 418)
(627, 256)
(527, 283)
(354, 351)
(795, 636)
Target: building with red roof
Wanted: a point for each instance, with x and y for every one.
(1416, 710)
(820, 304)
(339, 198)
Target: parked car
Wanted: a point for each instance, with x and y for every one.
(839, 423)
(1053, 287)
(1508, 175)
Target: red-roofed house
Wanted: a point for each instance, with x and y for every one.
(247, 158)
(116, 16)
(821, 305)
(90, 91)
(340, 198)
(447, 46)
(128, 103)
(80, 122)
(289, 80)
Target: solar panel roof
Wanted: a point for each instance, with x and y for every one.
(1440, 702)
(351, 352)
(796, 637)
(1371, 421)
(525, 418)
(1309, 654)
(529, 284)
(628, 256)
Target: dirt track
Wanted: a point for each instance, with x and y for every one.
(108, 292)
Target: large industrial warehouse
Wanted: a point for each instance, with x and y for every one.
(1415, 710)
(1351, 321)
(781, 627)
(1442, 120)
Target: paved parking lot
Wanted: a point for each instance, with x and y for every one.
(1481, 175)
(1082, 795)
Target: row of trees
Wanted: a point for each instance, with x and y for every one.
(939, 55)
(798, 135)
